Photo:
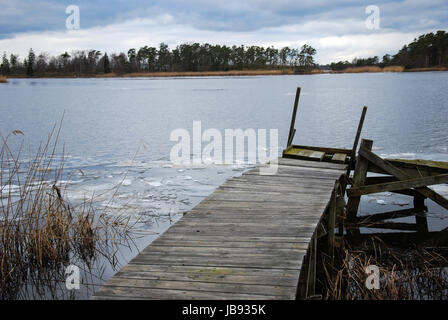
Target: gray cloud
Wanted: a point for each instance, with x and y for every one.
(116, 25)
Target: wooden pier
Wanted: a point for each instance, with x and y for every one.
(262, 236)
(253, 238)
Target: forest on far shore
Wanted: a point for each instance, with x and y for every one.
(428, 50)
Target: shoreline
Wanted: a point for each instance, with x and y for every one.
(231, 73)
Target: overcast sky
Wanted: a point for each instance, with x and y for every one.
(337, 29)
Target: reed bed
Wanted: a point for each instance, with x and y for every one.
(363, 69)
(427, 69)
(3, 79)
(414, 274)
(393, 69)
(371, 69)
(200, 73)
(40, 232)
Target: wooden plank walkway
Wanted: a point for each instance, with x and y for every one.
(247, 240)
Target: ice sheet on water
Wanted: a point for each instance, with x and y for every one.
(10, 188)
(441, 188)
(154, 183)
(402, 155)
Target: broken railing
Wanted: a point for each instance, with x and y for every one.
(407, 177)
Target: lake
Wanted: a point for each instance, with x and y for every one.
(117, 131)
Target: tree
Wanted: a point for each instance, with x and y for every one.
(41, 63)
(306, 57)
(164, 57)
(92, 60)
(119, 63)
(14, 63)
(133, 63)
(30, 63)
(64, 60)
(237, 57)
(428, 50)
(4, 66)
(284, 54)
(386, 60)
(106, 63)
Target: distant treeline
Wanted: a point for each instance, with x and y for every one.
(185, 57)
(428, 50)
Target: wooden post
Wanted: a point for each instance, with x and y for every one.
(355, 143)
(340, 205)
(332, 222)
(293, 119)
(420, 218)
(359, 179)
(311, 278)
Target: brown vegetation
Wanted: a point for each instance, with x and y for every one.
(373, 69)
(415, 274)
(370, 69)
(41, 233)
(393, 69)
(199, 73)
(427, 69)
(3, 79)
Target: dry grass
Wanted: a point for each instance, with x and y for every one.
(199, 73)
(40, 232)
(427, 69)
(416, 274)
(393, 69)
(363, 69)
(3, 79)
(371, 69)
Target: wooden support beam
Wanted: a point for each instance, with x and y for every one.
(379, 179)
(311, 276)
(423, 167)
(332, 223)
(359, 179)
(293, 119)
(400, 175)
(390, 215)
(355, 143)
(420, 220)
(385, 225)
(398, 185)
(384, 179)
(409, 192)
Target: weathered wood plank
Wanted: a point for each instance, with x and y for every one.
(398, 185)
(339, 157)
(311, 164)
(234, 261)
(251, 276)
(202, 286)
(323, 149)
(232, 244)
(163, 294)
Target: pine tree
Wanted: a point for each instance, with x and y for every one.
(106, 63)
(30, 63)
(5, 65)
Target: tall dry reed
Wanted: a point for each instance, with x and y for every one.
(40, 232)
(413, 274)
